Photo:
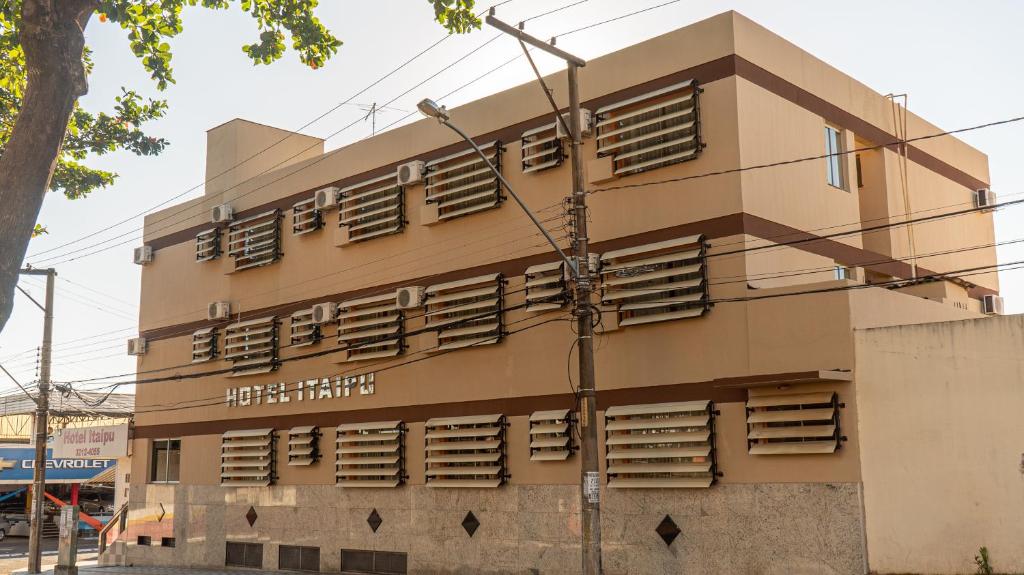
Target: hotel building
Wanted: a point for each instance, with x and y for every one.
(385, 383)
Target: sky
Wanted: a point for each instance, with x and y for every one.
(951, 60)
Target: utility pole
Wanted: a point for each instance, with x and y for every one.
(42, 410)
(583, 309)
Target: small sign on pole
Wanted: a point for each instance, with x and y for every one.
(67, 547)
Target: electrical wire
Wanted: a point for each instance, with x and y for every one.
(323, 157)
(805, 158)
(309, 123)
(432, 353)
(895, 283)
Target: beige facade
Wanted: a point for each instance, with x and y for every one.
(761, 322)
(940, 436)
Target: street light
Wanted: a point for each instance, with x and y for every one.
(432, 109)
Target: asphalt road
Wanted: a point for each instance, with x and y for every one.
(14, 552)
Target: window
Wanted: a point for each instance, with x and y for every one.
(255, 241)
(793, 424)
(370, 454)
(375, 562)
(371, 327)
(144, 540)
(845, 273)
(545, 287)
(244, 555)
(204, 345)
(651, 130)
(303, 445)
(656, 282)
(165, 463)
(208, 245)
(551, 435)
(372, 208)
(304, 331)
(168, 542)
(462, 184)
(466, 312)
(466, 451)
(833, 163)
(306, 218)
(247, 458)
(541, 149)
(661, 445)
(298, 558)
(860, 173)
(252, 346)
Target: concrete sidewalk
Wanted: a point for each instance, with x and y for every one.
(92, 569)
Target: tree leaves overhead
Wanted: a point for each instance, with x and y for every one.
(456, 15)
(150, 26)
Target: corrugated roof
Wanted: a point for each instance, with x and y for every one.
(117, 405)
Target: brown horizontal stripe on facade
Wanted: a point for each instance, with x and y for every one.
(808, 101)
(702, 74)
(720, 227)
(705, 73)
(722, 390)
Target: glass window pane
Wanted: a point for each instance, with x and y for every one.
(159, 461)
(173, 461)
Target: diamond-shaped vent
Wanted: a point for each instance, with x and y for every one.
(668, 530)
(251, 516)
(470, 523)
(374, 520)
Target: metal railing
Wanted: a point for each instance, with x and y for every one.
(120, 519)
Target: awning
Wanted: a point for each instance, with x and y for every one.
(108, 475)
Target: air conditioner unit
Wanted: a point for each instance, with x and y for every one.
(326, 198)
(325, 312)
(410, 172)
(137, 346)
(409, 297)
(586, 121)
(143, 255)
(992, 305)
(218, 310)
(222, 213)
(984, 198)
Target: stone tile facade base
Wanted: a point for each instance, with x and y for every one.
(769, 529)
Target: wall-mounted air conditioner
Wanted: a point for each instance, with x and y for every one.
(409, 297)
(325, 312)
(984, 198)
(143, 255)
(137, 346)
(218, 310)
(410, 173)
(326, 198)
(586, 122)
(992, 304)
(222, 213)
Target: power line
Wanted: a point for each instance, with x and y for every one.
(286, 346)
(323, 115)
(615, 19)
(431, 353)
(268, 170)
(807, 158)
(323, 157)
(894, 283)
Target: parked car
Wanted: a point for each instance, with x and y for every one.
(5, 528)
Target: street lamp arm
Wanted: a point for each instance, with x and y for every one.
(568, 261)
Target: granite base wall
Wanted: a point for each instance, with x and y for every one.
(769, 529)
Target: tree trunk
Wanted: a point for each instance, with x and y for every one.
(52, 37)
